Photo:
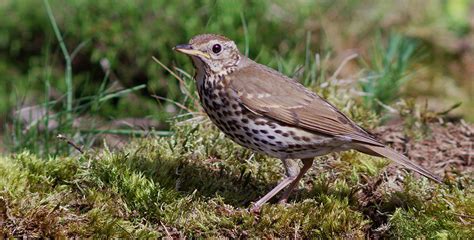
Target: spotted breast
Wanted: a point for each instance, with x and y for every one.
(256, 132)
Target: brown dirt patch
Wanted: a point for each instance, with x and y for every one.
(446, 149)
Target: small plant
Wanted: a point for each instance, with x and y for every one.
(390, 64)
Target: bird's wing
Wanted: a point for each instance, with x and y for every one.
(268, 93)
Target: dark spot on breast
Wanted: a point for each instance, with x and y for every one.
(239, 136)
(216, 105)
(248, 134)
(271, 137)
(255, 131)
(256, 139)
(278, 142)
(245, 120)
(271, 125)
(219, 114)
(246, 128)
(306, 139)
(264, 131)
(235, 106)
(258, 122)
(291, 133)
(238, 113)
(264, 141)
(278, 131)
(285, 134)
(296, 138)
(219, 86)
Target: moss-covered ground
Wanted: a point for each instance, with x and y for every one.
(197, 183)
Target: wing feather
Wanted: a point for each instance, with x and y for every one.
(267, 92)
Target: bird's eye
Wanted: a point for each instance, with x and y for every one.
(216, 48)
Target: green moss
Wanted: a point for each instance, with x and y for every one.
(197, 183)
(446, 214)
(328, 218)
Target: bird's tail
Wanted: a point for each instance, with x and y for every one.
(399, 158)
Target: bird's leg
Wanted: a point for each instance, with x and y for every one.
(291, 174)
(307, 163)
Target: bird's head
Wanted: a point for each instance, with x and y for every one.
(213, 52)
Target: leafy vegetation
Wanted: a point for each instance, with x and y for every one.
(391, 64)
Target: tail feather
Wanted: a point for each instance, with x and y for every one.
(398, 158)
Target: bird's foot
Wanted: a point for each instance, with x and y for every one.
(283, 201)
(255, 208)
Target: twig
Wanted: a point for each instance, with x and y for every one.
(344, 62)
(127, 132)
(70, 142)
(298, 73)
(180, 80)
(168, 234)
(387, 107)
(174, 102)
(168, 70)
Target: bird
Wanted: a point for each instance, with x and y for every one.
(263, 110)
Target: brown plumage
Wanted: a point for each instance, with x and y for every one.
(270, 113)
(288, 101)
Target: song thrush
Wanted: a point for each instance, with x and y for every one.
(261, 109)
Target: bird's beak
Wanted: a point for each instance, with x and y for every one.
(189, 50)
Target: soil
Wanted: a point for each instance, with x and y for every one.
(446, 149)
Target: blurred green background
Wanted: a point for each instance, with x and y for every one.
(112, 43)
